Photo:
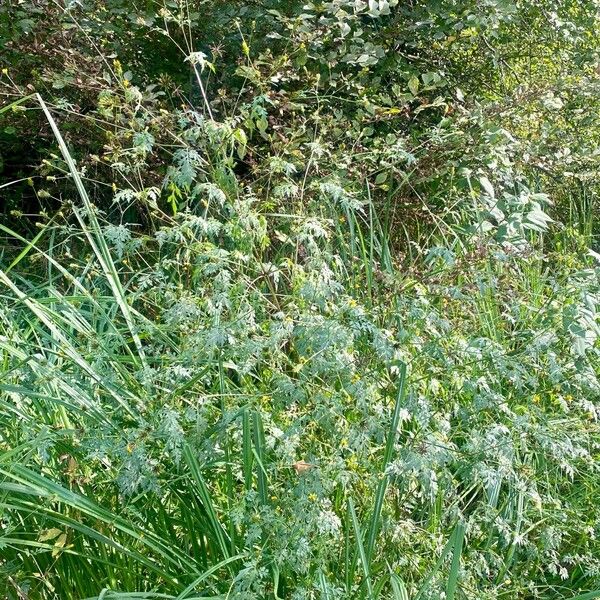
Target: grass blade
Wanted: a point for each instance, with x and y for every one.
(398, 588)
(95, 238)
(207, 574)
(360, 547)
(455, 566)
(389, 449)
(259, 445)
(206, 500)
(451, 544)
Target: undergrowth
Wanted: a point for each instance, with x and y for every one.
(281, 351)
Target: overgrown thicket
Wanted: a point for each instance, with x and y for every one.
(298, 300)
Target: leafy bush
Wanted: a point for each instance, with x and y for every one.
(307, 309)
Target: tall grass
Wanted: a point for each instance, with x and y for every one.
(456, 437)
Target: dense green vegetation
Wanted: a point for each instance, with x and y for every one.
(298, 300)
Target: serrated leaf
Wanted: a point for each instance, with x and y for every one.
(49, 534)
(240, 137)
(537, 220)
(413, 85)
(248, 72)
(487, 186)
(59, 544)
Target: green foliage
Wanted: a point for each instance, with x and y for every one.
(299, 300)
